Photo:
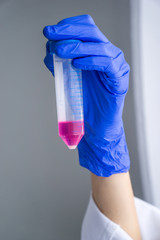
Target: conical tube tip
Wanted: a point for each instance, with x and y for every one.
(72, 147)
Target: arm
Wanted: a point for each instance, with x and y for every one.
(103, 149)
(114, 197)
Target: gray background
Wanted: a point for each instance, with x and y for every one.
(43, 191)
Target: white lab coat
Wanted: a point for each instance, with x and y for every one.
(96, 226)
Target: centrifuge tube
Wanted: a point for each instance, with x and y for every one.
(69, 99)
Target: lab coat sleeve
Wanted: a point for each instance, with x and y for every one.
(149, 220)
(97, 226)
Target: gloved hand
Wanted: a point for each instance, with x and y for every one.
(105, 78)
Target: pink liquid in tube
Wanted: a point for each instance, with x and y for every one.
(71, 132)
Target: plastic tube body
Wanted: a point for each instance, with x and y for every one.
(69, 98)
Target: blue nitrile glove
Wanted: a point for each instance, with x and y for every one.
(105, 75)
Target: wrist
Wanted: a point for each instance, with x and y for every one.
(104, 157)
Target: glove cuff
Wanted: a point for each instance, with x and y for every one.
(104, 157)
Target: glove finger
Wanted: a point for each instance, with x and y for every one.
(83, 19)
(92, 63)
(116, 84)
(113, 67)
(83, 49)
(84, 32)
(48, 60)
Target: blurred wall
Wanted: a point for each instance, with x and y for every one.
(145, 38)
(150, 52)
(43, 191)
